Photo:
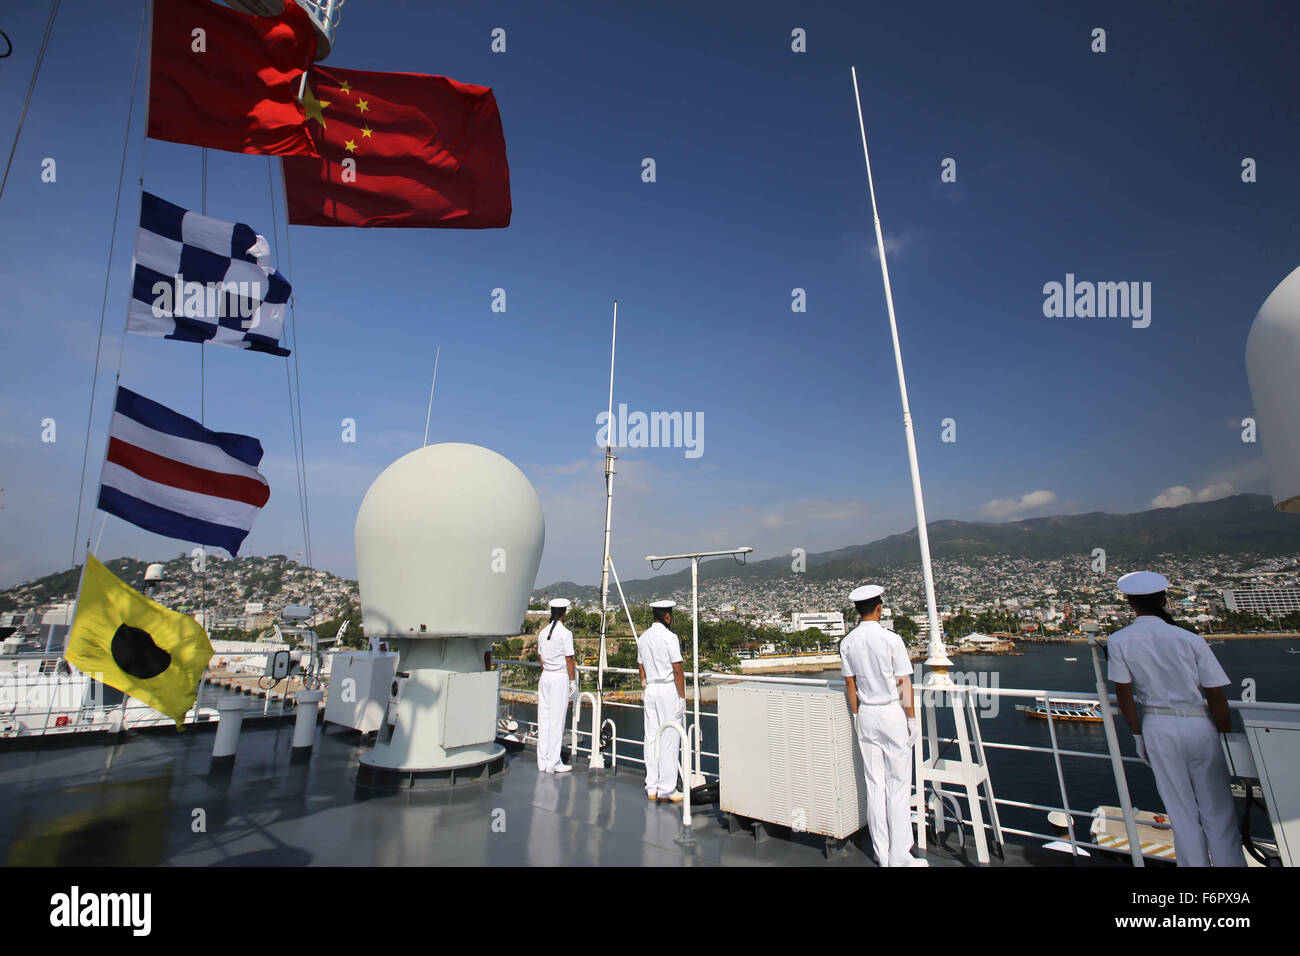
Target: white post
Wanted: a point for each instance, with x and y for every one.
(1116, 762)
(938, 661)
(695, 778)
(304, 727)
(229, 722)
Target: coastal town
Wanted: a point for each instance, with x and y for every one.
(987, 603)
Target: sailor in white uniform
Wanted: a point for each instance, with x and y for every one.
(659, 658)
(878, 684)
(557, 686)
(1174, 675)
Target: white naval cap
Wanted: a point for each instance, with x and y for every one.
(559, 602)
(866, 593)
(1143, 582)
(663, 605)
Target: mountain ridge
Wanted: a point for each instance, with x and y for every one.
(1237, 524)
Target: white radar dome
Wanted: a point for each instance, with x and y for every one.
(448, 541)
(153, 573)
(1273, 367)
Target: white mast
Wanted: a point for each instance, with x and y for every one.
(597, 759)
(938, 661)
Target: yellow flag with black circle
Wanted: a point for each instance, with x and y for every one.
(127, 641)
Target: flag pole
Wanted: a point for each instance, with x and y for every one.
(597, 758)
(938, 661)
(428, 416)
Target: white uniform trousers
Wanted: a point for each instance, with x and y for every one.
(887, 763)
(552, 708)
(1192, 777)
(660, 703)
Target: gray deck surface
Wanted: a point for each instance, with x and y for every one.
(136, 801)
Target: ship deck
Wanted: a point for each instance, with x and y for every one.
(152, 799)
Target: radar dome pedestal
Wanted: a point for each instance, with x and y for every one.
(1273, 367)
(448, 540)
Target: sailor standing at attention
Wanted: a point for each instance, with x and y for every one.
(1176, 678)
(659, 658)
(878, 684)
(558, 684)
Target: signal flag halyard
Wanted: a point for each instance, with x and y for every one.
(127, 641)
(169, 474)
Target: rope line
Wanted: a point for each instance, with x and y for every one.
(103, 309)
(31, 88)
(288, 381)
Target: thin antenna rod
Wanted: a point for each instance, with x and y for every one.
(429, 415)
(938, 661)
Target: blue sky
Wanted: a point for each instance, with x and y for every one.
(1119, 166)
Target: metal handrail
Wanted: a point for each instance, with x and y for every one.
(577, 719)
(684, 759)
(96, 717)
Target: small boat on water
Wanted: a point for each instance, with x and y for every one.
(1071, 659)
(1063, 708)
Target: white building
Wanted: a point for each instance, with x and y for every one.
(830, 623)
(1270, 602)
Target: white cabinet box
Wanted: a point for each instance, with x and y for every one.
(787, 756)
(361, 683)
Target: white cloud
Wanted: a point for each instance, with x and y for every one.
(1006, 507)
(895, 244)
(1182, 495)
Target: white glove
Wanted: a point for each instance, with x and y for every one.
(681, 708)
(573, 690)
(913, 730)
(1141, 749)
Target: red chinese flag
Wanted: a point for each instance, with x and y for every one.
(238, 90)
(424, 151)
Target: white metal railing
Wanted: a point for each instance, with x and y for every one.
(36, 700)
(1112, 754)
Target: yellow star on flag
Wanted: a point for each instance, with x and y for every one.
(363, 105)
(345, 88)
(366, 131)
(350, 146)
(314, 107)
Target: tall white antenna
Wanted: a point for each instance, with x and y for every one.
(597, 759)
(429, 414)
(938, 661)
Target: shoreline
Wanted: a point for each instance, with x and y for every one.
(708, 692)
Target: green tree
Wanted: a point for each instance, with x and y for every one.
(905, 627)
(959, 625)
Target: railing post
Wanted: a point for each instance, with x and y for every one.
(687, 835)
(1116, 761)
(1060, 776)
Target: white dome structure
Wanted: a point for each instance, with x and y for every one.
(1273, 367)
(153, 573)
(448, 542)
